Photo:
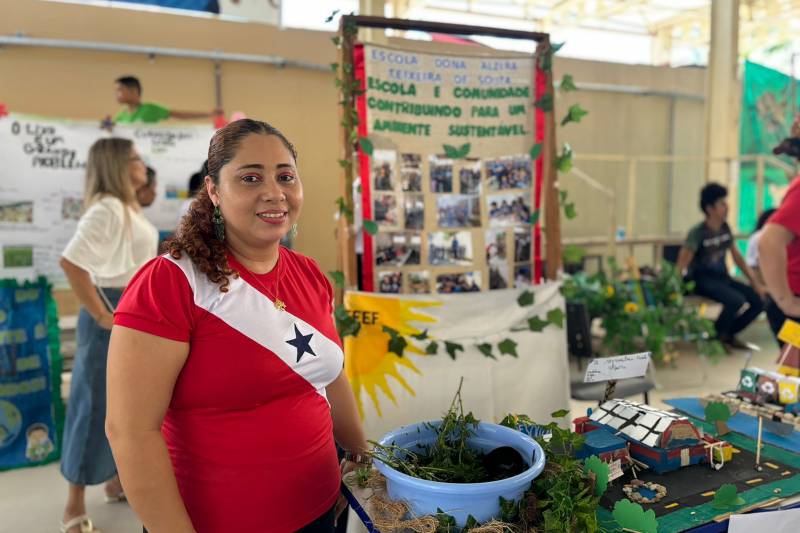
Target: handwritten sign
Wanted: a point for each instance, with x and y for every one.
(619, 367)
(790, 333)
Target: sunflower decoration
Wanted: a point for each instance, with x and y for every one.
(610, 291)
(631, 307)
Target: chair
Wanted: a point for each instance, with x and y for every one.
(579, 344)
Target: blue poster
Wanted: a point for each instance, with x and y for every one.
(31, 411)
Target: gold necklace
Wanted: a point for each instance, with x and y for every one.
(277, 302)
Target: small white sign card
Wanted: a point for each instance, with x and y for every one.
(615, 469)
(618, 367)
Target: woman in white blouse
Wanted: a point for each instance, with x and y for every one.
(112, 241)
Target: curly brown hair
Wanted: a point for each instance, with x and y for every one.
(195, 235)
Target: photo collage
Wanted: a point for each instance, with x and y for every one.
(435, 214)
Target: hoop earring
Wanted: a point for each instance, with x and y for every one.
(219, 224)
(293, 231)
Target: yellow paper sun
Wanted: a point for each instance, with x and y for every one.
(368, 362)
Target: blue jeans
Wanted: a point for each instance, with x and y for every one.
(733, 296)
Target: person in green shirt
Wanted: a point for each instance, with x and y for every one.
(128, 90)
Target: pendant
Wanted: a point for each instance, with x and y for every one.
(279, 305)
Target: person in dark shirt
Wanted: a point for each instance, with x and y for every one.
(703, 256)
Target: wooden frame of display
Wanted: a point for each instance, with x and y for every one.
(346, 256)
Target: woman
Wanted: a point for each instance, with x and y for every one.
(112, 242)
(223, 355)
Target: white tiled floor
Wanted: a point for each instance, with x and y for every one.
(31, 500)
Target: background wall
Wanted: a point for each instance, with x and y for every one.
(303, 103)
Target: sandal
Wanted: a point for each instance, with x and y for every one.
(116, 498)
(83, 521)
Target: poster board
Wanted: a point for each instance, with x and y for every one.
(449, 179)
(42, 180)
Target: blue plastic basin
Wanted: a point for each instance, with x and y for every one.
(481, 500)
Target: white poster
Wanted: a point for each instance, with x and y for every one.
(42, 177)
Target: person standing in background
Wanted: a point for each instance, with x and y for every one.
(112, 241)
(751, 255)
(146, 194)
(128, 90)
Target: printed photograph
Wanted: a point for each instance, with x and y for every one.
(419, 282)
(383, 170)
(522, 244)
(458, 211)
(390, 282)
(495, 246)
(441, 172)
(16, 212)
(498, 276)
(462, 282)
(397, 249)
(71, 208)
(385, 209)
(17, 256)
(469, 178)
(522, 275)
(511, 172)
(509, 209)
(411, 172)
(450, 248)
(414, 211)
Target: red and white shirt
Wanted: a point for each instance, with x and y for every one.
(248, 429)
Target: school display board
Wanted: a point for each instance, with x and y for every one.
(42, 178)
(449, 169)
(31, 410)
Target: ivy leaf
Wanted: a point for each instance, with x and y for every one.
(564, 161)
(345, 163)
(556, 317)
(526, 298)
(508, 347)
(451, 151)
(561, 413)
(569, 210)
(344, 209)
(336, 40)
(555, 47)
(366, 145)
(567, 84)
(536, 151)
(334, 66)
(452, 348)
(463, 151)
(535, 217)
(338, 278)
(370, 227)
(545, 103)
(331, 16)
(345, 323)
(421, 336)
(575, 114)
(397, 345)
(486, 349)
(391, 331)
(536, 324)
(432, 348)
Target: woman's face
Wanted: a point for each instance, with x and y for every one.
(259, 192)
(137, 169)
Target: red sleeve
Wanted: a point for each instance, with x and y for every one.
(159, 301)
(788, 214)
